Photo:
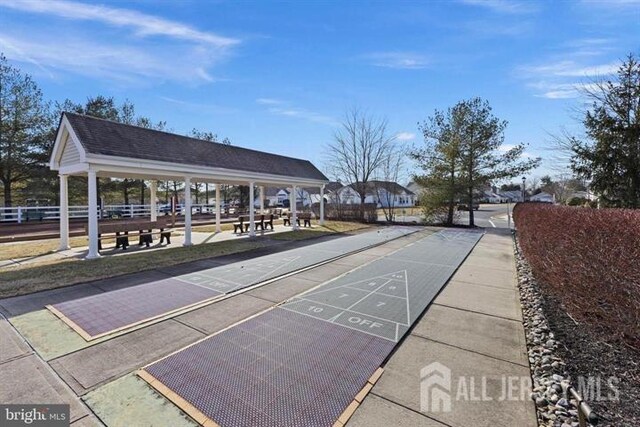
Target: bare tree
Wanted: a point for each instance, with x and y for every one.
(388, 174)
(360, 147)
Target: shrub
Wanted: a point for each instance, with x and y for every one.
(346, 212)
(577, 201)
(590, 260)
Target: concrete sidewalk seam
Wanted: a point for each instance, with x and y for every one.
(409, 409)
(48, 368)
(468, 350)
(482, 284)
(16, 358)
(478, 312)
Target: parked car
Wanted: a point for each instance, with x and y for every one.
(465, 207)
(166, 209)
(34, 214)
(112, 213)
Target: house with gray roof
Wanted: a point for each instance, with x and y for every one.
(382, 193)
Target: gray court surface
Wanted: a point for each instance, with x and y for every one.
(388, 295)
(110, 311)
(302, 363)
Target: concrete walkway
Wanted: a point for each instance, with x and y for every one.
(474, 330)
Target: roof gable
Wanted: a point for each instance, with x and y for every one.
(389, 186)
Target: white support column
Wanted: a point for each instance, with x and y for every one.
(322, 205)
(187, 211)
(64, 213)
(218, 202)
(153, 189)
(294, 208)
(93, 215)
(252, 211)
(262, 199)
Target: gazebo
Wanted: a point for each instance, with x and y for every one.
(93, 147)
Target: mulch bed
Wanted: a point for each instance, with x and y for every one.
(587, 355)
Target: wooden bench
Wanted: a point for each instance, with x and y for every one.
(304, 216)
(145, 231)
(244, 223)
(239, 226)
(267, 222)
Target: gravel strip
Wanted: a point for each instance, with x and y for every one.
(548, 369)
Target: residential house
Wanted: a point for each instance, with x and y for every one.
(382, 193)
(542, 197)
(416, 189)
(492, 197)
(330, 192)
(511, 195)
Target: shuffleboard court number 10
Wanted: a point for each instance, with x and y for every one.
(315, 309)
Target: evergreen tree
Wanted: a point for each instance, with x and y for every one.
(610, 157)
(25, 121)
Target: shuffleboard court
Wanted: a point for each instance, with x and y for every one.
(103, 314)
(386, 297)
(302, 363)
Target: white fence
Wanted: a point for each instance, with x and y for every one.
(22, 214)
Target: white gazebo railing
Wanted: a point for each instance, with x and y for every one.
(21, 214)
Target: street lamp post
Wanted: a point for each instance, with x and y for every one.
(524, 194)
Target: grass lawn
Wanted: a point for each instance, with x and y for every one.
(329, 227)
(26, 279)
(412, 211)
(35, 248)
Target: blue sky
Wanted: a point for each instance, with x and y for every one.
(278, 76)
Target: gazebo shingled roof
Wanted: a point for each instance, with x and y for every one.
(105, 137)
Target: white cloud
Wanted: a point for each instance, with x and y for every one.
(612, 4)
(550, 90)
(398, 60)
(506, 147)
(142, 24)
(405, 136)
(504, 6)
(569, 68)
(122, 63)
(18, 52)
(283, 108)
(69, 48)
(199, 107)
(303, 114)
(590, 47)
(269, 101)
(570, 76)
